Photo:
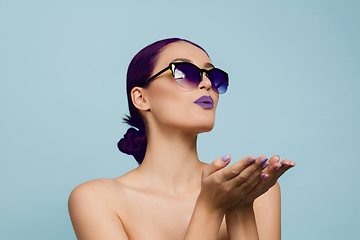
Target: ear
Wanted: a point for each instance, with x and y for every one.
(139, 100)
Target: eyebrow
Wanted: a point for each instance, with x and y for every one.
(207, 65)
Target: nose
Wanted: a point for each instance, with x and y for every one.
(205, 82)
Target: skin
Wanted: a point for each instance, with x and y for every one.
(172, 194)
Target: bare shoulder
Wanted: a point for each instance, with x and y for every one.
(103, 189)
(267, 210)
(93, 209)
(95, 197)
(273, 194)
(269, 201)
(95, 190)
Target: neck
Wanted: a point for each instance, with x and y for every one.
(171, 162)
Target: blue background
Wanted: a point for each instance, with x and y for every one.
(294, 91)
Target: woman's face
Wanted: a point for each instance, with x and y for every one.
(172, 105)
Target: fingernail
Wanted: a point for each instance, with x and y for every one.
(266, 177)
(262, 175)
(265, 165)
(252, 160)
(278, 167)
(264, 159)
(286, 165)
(226, 157)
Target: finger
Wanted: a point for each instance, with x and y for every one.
(274, 172)
(234, 170)
(262, 187)
(216, 165)
(254, 180)
(273, 161)
(287, 164)
(283, 164)
(250, 173)
(278, 169)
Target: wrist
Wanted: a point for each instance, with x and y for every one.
(243, 209)
(241, 223)
(240, 215)
(204, 205)
(205, 221)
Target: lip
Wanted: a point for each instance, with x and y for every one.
(205, 102)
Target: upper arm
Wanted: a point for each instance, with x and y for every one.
(267, 210)
(92, 217)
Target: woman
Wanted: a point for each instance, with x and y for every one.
(173, 90)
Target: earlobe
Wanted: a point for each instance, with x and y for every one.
(139, 100)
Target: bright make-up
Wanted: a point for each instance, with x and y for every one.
(205, 102)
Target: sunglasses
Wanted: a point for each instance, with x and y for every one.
(189, 76)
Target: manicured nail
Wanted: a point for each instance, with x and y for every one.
(252, 160)
(265, 165)
(266, 177)
(278, 167)
(226, 157)
(264, 159)
(262, 175)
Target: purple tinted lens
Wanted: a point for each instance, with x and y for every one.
(218, 81)
(187, 76)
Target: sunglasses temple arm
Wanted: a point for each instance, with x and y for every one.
(156, 75)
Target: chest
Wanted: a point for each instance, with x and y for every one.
(158, 217)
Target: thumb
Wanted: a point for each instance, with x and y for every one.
(216, 165)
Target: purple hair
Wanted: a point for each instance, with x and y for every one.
(140, 69)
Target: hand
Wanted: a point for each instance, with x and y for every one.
(223, 187)
(268, 177)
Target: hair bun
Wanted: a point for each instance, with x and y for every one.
(134, 143)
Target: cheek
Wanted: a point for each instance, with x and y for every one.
(168, 102)
(171, 105)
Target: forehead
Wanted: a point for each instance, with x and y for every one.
(182, 50)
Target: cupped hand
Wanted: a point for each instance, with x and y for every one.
(224, 187)
(269, 175)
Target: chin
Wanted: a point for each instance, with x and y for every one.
(204, 128)
(206, 125)
(197, 128)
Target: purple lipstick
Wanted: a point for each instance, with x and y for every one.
(205, 102)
